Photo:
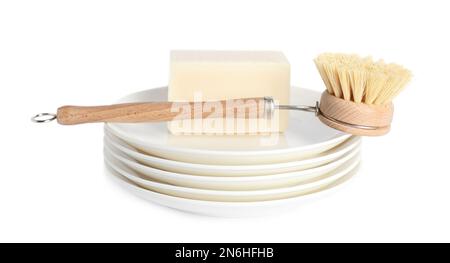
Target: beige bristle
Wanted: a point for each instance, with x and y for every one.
(345, 80)
(333, 77)
(361, 80)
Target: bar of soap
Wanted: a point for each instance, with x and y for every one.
(221, 75)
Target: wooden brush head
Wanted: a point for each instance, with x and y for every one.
(359, 94)
(355, 118)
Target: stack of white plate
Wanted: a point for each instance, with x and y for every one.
(230, 175)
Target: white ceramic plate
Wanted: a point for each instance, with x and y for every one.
(227, 209)
(233, 196)
(232, 170)
(227, 182)
(306, 136)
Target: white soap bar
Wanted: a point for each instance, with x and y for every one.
(220, 75)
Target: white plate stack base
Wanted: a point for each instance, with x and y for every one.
(230, 175)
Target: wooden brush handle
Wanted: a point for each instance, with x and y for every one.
(358, 114)
(159, 111)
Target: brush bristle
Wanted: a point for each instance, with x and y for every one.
(361, 80)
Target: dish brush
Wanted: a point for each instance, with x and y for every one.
(357, 100)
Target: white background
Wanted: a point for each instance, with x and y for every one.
(52, 181)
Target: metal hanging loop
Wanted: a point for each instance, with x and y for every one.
(43, 117)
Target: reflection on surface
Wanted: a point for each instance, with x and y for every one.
(229, 142)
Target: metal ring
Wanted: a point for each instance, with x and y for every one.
(351, 125)
(317, 111)
(48, 117)
(269, 107)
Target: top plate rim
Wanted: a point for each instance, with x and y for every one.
(339, 137)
